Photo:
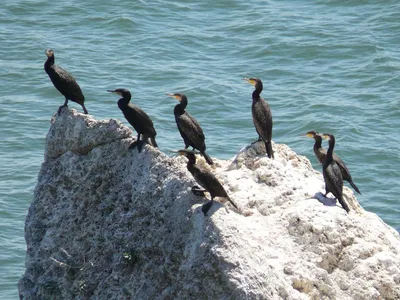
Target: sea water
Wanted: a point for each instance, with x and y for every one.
(328, 65)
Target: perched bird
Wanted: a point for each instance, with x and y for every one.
(262, 116)
(332, 174)
(189, 128)
(320, 153)
(64, 82)
(206, 179)
(137, 118)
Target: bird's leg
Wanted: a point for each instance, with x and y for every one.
(62, 106)
(259, 139)
(133, 145)
(140, 145)
(326, 191)
(141, 142)
(198, 191)
(136, 143)
(206, 207)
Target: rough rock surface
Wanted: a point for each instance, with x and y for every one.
(111, 223)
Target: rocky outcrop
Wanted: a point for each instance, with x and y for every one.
(111, 223)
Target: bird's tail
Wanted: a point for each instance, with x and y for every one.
(207, 158)
(84, 109)
(344, 204)
(153, 142)
(268, 148)
(354, 186)
(230, 200)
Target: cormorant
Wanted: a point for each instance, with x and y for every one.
(64, 82)
(320, 153)
(332, 174)
(189, 128)
(137, 118)
(206, 179)
(262, 116)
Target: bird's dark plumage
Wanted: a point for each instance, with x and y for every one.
(206, 179)
(64, 82)
(140, 121)
(332, 174)
(189, 128)
(262, 116)
(320, 153)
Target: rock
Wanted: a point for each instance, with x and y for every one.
(111, 223)
(81, 133)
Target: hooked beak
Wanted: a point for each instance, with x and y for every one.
(250, 80)
(173, 96)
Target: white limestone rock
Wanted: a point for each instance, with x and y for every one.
(111, 223)
(81, 133)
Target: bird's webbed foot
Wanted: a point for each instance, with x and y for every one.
(198, 191)
(206, 207)
(137, 143)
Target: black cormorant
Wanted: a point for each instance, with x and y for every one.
(332, 174)
(262, 116)
(189, 128)
(320, 153)
(206, 179)
(64, 82)
(137, 118)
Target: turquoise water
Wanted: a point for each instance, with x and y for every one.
(331, 66)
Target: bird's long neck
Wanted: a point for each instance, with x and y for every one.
(329, 154)
(123, 102)
(318, 142)
(258, 89)
(192, 160)
(180, 107)
(256, 95)
(49, 62)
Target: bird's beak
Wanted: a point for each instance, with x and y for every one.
(180, 152)
(173, 151)
(174, 96)
(114, 91)
(325, 136)
(249, 80)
